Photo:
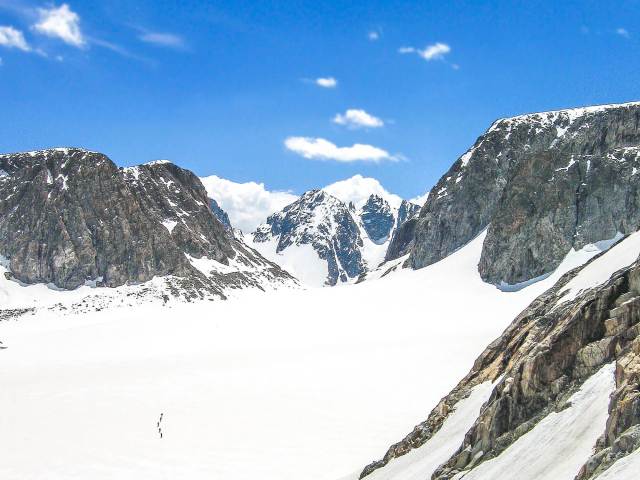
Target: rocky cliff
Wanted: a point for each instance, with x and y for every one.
(221, 215)
(69, 216)
(587, 322)
(404, 233)
(542, 184)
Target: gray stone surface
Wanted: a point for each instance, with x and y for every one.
(543, 183)
(404, 233)
(221, 215)
(70, 216)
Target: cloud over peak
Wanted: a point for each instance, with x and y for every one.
(358, 189)
(247, 204)
(13, 38)
(62, 23)
(436, 51)
(357, 118)
(321, 149)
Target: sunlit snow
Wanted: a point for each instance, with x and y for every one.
(301, 383)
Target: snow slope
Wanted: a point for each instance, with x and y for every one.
(300, 383)
(301, 261)
(417, 464)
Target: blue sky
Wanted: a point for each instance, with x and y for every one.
(231, 88)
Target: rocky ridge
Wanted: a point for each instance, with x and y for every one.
(542, 184)
(70, 217)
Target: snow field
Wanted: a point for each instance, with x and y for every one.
(314, 383)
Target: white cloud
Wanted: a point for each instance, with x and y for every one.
(437, 51)
(60, 22)
(170, 40)
(623, 32)
(357, 118)
(247, 204)
(326, 82)
(358, 189)
(321, 149)
(373, 35)
(13, 38)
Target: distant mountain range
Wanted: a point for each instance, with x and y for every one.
(324, 241)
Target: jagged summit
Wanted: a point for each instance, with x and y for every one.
(324, 240)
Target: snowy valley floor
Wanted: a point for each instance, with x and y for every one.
(280, 386)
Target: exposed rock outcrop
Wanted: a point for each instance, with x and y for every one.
(377, 219)
(221, 215)
(404, 233)
(69, 216)
(543, 183)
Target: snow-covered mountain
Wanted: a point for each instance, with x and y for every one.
(322, 240)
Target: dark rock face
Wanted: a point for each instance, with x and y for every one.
(591, 198)
(543, 357)
(68, 216)
(406, 211)
(325, 223)
(404, 234)
(221, 215)
(402, 240)
(377, 219)
(544, 183)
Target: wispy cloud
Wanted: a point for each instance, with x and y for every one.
(163, 39)
(321, 149)
(357, 118)
(623, 32)
(123, 52)
(436, 51)
(373, 35)
(326, 82)
(61, 23)
(13, 38)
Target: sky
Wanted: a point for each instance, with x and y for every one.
(297, 95)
